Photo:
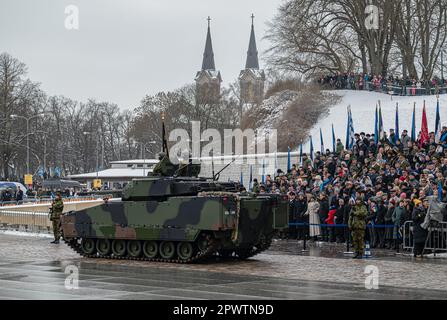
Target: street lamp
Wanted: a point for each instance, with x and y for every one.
(28, 119)
(85, 133)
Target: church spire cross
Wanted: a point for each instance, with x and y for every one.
(252, 54)
(208, 55)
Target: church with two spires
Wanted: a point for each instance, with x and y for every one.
(251, 78)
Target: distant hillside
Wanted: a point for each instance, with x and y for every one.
(292, 113)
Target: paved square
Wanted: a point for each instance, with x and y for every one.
(32, 268)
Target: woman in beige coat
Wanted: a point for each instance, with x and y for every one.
(314, 219)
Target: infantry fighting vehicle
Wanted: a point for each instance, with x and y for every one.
(174, 216)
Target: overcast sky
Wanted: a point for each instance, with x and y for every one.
(125, 49)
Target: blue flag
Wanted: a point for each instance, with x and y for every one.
(250, 187)
(263, 170)
(376, 127)
(413, 124)
(242, 178)
(322, 142)
(347, 131)
(311, 149)
(301, 154)
(334, 149)
(440, 191)
(380, 128)
(397, 136)
(350, 137)
(438, 124)
(289, 164)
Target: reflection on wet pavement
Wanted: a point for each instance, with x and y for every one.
(32, 268)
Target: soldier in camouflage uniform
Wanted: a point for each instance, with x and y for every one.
(164, 167)
(357, 225)
(56, 210)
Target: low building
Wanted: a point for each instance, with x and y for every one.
(122, 172)
(119, 174)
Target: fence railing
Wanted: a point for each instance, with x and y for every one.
(407, 90)
(37, 222)
(436, 240)
(48, 200)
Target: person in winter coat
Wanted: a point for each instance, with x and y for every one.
(339, 220)
(388, 237)
(357, 225)
(331, 222)
(293, 215)
(379, 230)
(313, 208)
(419, 233)
(398, 217)
(301, 218)
(323, 214)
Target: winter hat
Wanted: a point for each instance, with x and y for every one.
(417, 201)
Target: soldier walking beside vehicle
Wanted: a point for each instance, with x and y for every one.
(57, 207)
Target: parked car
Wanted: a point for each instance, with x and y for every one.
(14, 186)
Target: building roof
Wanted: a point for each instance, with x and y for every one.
(252, 54)
(208, 55)
(114, 173)
(136, 161)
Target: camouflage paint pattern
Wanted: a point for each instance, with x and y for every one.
(179, 210)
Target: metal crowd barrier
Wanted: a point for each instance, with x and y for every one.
(331, 232)
(407, 235)
(436, 238)
(25, 221)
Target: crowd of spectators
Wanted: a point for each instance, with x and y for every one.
(390, 84)
(394, 179)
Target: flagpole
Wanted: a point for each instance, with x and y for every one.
(376, 128)
(321, 141)
(397, 134)
(334, 149)
(413, 124)
(438, 122)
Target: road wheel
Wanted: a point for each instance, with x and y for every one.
(103, 247)
(203, 243)
(150, 249)
(167, 249)
(119, 248)
(134, 248)
(88, 246)
(185, 250)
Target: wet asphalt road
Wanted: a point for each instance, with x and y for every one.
(31, 268)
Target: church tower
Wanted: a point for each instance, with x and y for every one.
(251, 79)
(208, 80)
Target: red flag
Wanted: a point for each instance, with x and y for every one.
(425, 138)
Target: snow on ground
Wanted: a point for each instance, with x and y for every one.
(26, 234)
(275, 106)
(363, 106)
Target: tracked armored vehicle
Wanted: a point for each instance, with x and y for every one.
(174, 216)
(177, 219)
